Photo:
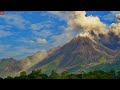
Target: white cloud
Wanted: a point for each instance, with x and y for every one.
(33, 41)
(115, 12)
(110, 16)
(58, 14)
(5, 33)
(15, 20)
(41, 25)
(28, 41)
(62, 15)
(36, 26)
(43, 34)
(4, 47)
(5, 27)
(21, 51)
(41, 41)
(3, 50)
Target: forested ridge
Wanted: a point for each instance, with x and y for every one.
(37, 74)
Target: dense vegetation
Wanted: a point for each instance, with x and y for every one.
(65, 75)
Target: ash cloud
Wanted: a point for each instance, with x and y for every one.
(85, 24)
(115, 27)
(77, 20)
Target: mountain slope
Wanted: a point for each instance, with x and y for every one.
(15, 67)
(80, 51)
(28, 62)
(105, 67)
(4, 66)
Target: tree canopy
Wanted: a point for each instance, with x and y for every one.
(37, 74)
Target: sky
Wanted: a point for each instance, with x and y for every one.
(23, 33)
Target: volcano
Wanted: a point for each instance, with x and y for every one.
(81, 53)
(81, 50)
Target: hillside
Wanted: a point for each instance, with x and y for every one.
(79, 52)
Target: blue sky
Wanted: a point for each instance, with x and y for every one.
(23, 33)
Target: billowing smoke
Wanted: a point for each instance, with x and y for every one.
(77, 20)
(85, 24)
(118, 18)
(115, 27)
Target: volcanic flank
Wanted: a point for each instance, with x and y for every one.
(81, 50)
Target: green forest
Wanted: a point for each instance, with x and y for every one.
(37, 74)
